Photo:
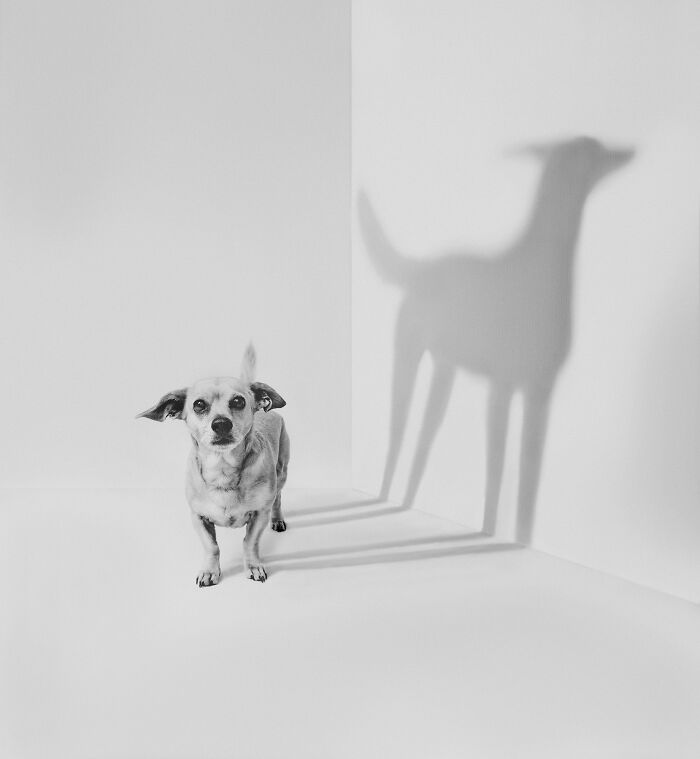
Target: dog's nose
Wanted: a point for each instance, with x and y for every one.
(221, 425)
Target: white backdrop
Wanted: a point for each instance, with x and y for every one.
(442, 94)
(175, 181)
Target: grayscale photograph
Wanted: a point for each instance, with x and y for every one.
(352, 367)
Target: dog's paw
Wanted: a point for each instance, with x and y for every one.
(257, 573)
(208, 577)
(278, 525)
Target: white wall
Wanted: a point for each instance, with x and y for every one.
(175, 182)
(441, 92)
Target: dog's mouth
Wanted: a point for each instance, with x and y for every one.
(222, 440)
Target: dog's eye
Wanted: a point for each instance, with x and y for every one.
(237, 402)
(199, 406)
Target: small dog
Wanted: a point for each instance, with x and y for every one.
(238, 464)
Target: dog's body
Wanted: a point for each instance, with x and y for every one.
(238, 463)
(258, 472)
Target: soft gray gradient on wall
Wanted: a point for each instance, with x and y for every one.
(175, 182)
(456, 106)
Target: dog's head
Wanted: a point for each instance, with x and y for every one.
(219, 411)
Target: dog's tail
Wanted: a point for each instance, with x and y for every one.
(392, 266)
(248, 364)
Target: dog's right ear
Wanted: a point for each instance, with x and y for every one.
(170, 405)
(248, 364)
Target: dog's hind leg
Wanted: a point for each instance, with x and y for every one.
(276, 519)
(407, 355)
(440, 391)
(496, 433)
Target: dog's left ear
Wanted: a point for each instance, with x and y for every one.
(266, 398)
(170, 405)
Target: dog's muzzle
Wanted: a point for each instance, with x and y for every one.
(222, 427)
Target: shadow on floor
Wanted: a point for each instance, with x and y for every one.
(351, 517)
(378, 553)
(334, 507)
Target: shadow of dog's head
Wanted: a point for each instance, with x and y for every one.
(583, 161)
(218, 411)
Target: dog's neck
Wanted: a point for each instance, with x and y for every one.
(222, 470)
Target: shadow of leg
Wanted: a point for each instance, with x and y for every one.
(534, 432)
(407, 355)
(344, 506)
(390, 558)
(440, 391)
(428, 540)
(352, 517)
(496, 434)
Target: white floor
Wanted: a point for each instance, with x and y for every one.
(377, 635)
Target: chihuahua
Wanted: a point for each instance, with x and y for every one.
(238, 463)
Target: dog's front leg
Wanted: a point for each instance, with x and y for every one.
(254, 529)
(211, 571)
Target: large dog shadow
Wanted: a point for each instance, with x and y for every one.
(505, 316)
